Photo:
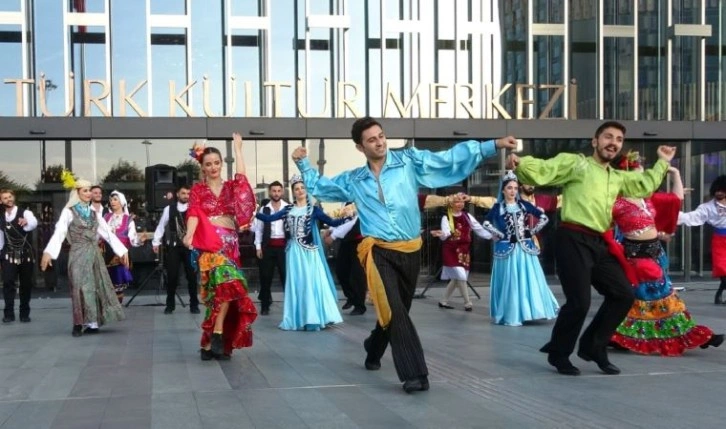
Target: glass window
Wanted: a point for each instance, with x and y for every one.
(11, 68)
(619, 78)
(715, 63)
(686, 73)
(48, 47)
(549, 11)
(89, 63)
(128, 17)
(207, 47)
(168, 64)
(168, 7)
(652, 62)
(10, 5)
(619, 12)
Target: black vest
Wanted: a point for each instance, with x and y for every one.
(354, 234)
(176, 227)
(267, 227)
(17, 249)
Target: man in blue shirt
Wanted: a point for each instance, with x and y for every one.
(385, 192)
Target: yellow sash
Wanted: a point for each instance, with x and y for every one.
(375, 284)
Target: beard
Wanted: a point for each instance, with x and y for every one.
(276, 198)
(605, 155)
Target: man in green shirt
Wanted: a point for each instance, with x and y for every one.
(589, 188)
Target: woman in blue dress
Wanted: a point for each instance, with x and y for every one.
(519, 290)
(310, 297)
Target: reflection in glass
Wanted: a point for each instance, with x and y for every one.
(619, 78)
(652, 61)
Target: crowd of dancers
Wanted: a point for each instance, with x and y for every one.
(613, 227)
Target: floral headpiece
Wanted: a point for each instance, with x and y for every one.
(296, 178)
(68, 179)
(629, 161)
(197, 151)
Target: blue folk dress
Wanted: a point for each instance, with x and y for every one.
(519, 290)
(310, 302)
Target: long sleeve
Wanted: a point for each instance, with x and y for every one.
(696, 217)
(478, 229)
(484, 202)
(438, 169)
(445, 228)
(2, 241)
(641, 185)
(318, 213)
(59, 234)
(133, 236)
(555, 171)
(159, 232)
(271, 217)
(105, 233)
(338, 232)
(541, 217)
(325, 189)
(245, 203)
(258, 228)
(488, 224)
(32, 221)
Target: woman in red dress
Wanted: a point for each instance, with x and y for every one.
(217, 210)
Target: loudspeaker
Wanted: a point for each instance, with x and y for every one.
(161, 181)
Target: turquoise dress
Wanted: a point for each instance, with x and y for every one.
(311, 300)
(519, 290)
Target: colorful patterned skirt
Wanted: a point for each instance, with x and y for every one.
(221, 280)
(658, 321)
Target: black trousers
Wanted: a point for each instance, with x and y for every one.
(350, 273)
(582, 260)
(176, 257)
(399, 272)
(12, 271)
(272, 256)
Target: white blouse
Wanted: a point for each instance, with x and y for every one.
(61, 230)
(711, 212)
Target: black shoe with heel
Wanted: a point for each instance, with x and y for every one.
(217, 348)
(77, 330)
(447, 306)
(372, 363)
(602, 362)
(715, 341)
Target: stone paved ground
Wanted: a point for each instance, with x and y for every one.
(145, 372)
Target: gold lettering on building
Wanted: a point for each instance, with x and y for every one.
(559, 89)
(19, 105)
(523, 101)
(129, 98)
(467, 102)
(88, 100)
(405, 112)
(276, 88)
(434, 99)
(347, 103)
(176, 99)
(302, 97)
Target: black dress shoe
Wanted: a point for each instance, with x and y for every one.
(194, 310)
(25, 319)
(468, 308)
(602, 362)
(168, 310)
(715, 341)
(717, 299)
(418, 384)
(347, 305)
(217, 345)
(563, 365)
(8, 319)
(90, 331)
(77, 330)
(265, 311)
(371, 363)
(358, 311)
(206, 354)
(447, 306)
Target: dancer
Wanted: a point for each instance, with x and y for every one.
(310, 297)
(455, 232)
(658, 321)
(270, 246)
(217, 209)
(385, 192)
(92, 295)
(348, 269)
(714, 213)
(97, 200)
(519, 291)
(172, 228)
(17, 256)
(120, 224)
(589, 188)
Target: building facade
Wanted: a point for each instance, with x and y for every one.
(110, 87)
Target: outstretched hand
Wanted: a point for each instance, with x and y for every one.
(299, 153)
(666, 153)
(512, 162)
(508, 142)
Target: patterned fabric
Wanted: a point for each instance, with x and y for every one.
(455, 250)
(221, 281)
(236, 199)
(659, 322)
(120, 275)
(92, 294)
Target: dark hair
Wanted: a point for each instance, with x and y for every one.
(7, 191)
(361, 125)
(275, 183)
(208, 150)
(609, 124)
(97, 187)
(718, 185)
(183, 186)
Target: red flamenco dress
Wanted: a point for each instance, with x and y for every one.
(658, 322)
(220, 277)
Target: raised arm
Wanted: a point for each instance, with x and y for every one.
(270, 217)
(321, 187)
(697, 217)
(318, 213)
(239, 160)
(555, 171)
(676, 182)
(30, 221)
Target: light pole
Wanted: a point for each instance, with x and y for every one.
(147, 144)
